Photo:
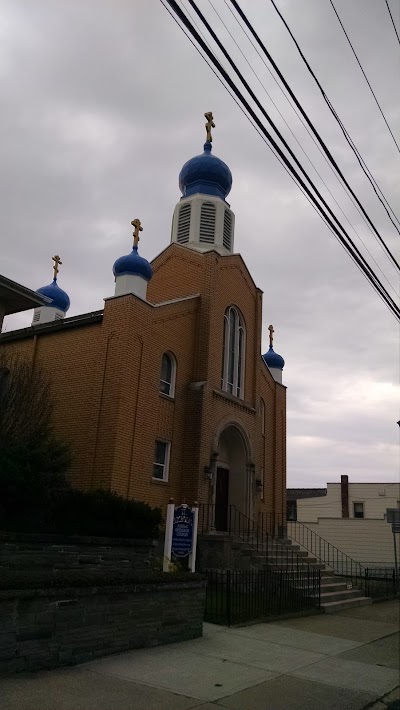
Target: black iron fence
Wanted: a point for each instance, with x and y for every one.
(236, 596)
(381, 582)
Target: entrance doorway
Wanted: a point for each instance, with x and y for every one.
(233, 486)
(222, 499)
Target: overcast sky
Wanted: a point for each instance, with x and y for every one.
(102, 102)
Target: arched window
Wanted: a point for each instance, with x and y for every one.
(234, 353)
(168, 374)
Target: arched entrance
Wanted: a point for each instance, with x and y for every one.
(232, 475)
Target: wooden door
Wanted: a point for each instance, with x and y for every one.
(221, 499)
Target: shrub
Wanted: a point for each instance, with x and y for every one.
(102, 513)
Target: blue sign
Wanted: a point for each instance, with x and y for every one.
(182, 531)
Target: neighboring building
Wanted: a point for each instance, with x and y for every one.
(352, 518)
(164, 392)
(15, 298)
(350, 500)
(295, 494)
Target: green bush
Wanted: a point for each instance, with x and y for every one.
(63, 579)
(102, 513)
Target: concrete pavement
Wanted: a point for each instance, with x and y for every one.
(345, 661)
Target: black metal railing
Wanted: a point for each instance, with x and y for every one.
(381, 582)
(236, 596)
(331, 556)
(287, 573)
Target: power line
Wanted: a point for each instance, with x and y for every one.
(261, 108)
(312, 127)
(349, 245)
(299, 144)
(391, 17)
(364, 75)
(377, 189)
(364, 167)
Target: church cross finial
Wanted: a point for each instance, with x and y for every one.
(271, 335)
(136, 223)
(209, 125)
(57, 263)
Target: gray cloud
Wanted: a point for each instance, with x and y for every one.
(102, 102)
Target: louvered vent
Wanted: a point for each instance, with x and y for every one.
(227, 236)
(182, 236)
(207, 223)
(36, 317)
(58, 316)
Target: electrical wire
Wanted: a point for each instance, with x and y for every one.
(375, 186)
(349, 245)
(302, 149)
(312, 127)
(287, 147)
(364, 75)
(391, 17)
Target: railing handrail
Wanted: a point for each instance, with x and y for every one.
(344, 554)
(254, 528)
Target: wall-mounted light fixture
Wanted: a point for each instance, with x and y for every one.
(208, 472)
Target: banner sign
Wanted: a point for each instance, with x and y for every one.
(182, 531)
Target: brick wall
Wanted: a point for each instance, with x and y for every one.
(48, 628)
(106, 384)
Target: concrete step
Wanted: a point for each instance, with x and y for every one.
(337, 596)
(332, 607)
(332, 586)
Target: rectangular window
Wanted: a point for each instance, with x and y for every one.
(358, 509)
(161, 460)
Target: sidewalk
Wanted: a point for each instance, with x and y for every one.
(344, 661)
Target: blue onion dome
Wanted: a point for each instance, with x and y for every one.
(273, 360)
(59, 298)
(205, 174)
(133, 264)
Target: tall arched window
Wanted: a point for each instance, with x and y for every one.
(168, 374)
(234, 353)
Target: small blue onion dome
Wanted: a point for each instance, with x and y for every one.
(205, 174)
(272, 359)
(59, 298)
(133, 264)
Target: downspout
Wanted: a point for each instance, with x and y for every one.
(139, 378)
(100, 406)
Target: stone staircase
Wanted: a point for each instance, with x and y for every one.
(336, 592)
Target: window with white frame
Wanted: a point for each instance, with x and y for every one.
(161, 460)
(358, 510)
(234, 353)
(168, 374)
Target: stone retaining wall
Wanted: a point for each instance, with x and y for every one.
(48, 628)
(22, 551)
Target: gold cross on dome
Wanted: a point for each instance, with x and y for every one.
(209, 125)
(271, 335)
(138, 228)
(57, 263)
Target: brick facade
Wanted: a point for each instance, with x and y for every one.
(105, 369)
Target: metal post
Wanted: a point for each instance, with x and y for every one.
(395, 551)
(192, 555)
(168, 535)
(228, 596)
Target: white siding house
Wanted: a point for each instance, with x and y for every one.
(352, 517)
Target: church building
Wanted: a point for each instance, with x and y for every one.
(164, 392)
